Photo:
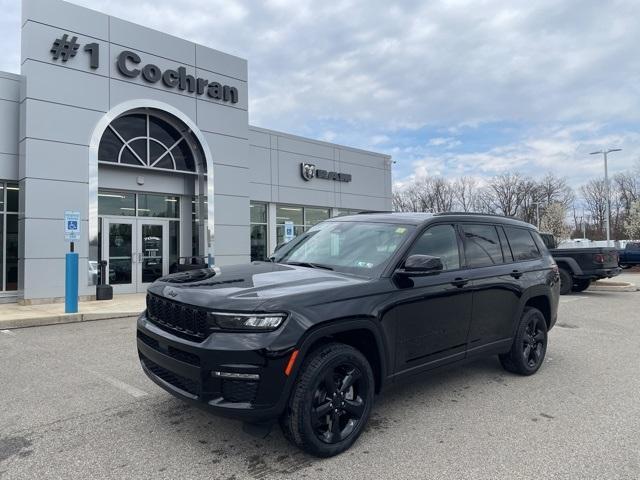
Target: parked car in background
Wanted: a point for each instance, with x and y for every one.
(344, 310)
(629, 256)
(581, 266)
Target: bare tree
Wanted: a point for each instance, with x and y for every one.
(465, 193)
(504, 194)
(594, 196)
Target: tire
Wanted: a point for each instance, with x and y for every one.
(566, 282)
(333, 374)
(580, 285)
(529, 345)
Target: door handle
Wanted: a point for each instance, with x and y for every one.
(460, 282)
(516, 274)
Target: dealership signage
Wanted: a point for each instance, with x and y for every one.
(130, 65)
(309, 171)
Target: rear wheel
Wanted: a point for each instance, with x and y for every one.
(566, 282)
(580, 285)
(330, 402)
(529, 345)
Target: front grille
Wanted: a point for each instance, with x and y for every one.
(239, 390)
(178, 381)
(181, 320)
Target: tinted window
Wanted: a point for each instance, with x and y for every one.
(439, 241)
(522, 245)
(481, 245)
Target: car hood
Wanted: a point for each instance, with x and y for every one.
(247, 287)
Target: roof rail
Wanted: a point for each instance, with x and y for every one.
(477, 213)
(373, 211)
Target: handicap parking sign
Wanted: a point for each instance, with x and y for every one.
(71, 225)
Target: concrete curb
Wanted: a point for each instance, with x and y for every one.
(609, 286)
(61, 319)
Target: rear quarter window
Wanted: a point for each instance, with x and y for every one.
(522, 244)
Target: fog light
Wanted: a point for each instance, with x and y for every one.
(236, 376)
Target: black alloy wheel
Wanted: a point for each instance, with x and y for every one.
(529, 345)
(338, 403)
(331, 400)
(533, 341)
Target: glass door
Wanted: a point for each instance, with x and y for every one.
(118, 245)
(153, 251)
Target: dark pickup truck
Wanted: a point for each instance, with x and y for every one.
(629, 255)
(580, 266)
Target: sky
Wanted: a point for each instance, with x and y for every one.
(449, 88)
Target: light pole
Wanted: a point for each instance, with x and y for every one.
(604, 153)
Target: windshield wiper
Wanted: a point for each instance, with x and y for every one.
(309, 264)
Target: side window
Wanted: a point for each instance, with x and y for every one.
(522, 244)
(482, 245)
(439, 241)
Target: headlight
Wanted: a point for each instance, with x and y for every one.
(249, 321)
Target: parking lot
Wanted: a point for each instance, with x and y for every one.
(75, 404)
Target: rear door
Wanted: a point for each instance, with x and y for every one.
(497, 286)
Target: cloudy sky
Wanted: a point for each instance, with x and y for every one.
(446, 87)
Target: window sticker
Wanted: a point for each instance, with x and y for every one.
(362, 264)
(400, 230)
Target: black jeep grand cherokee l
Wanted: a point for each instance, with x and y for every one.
(344, 310)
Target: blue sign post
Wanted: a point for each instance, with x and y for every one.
(71, 234)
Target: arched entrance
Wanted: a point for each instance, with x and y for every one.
(151, 183)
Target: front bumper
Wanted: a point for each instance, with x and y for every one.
(186, 369)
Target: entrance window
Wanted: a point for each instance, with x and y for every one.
(147, 140)
(258, 231)
(303, 218)
(9, 236)
(116, 203)
(158, 206)
(148, 205)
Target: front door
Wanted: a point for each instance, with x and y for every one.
(433, 312)
(136, 251)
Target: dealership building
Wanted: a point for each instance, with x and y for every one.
(145, 138)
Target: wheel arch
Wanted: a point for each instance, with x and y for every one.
(569, 264)
(537, 297)
(360, 333)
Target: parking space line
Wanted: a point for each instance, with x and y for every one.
(8, 332)
(125, 387)
(571, 299)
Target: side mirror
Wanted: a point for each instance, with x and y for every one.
(420, 265)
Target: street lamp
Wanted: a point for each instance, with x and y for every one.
(606, 184)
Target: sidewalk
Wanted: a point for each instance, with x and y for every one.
(13, 315)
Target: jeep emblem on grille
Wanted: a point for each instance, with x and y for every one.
(170, 292)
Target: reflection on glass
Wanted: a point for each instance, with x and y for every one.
(11, 266)
(258, 242)
(258, 212)
(151, 252)
(117, 203)
(289, 214)
(13, 193)
(315, 215)
(297, 230)
(174, 242)
(166, 206)
(120, 253)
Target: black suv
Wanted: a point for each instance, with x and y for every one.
(346, 309)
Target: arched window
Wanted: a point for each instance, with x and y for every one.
(145, 139)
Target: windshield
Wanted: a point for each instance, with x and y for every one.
(361, 248)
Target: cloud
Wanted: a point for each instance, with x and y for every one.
(388, 75)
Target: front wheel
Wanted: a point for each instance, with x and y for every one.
(330, 402)
(529, 345)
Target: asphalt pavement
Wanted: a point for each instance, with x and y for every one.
(75, 404)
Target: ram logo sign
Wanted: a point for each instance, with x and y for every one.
(309, 171)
